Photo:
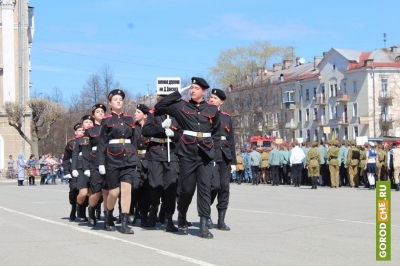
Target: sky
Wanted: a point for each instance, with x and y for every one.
(142, 40)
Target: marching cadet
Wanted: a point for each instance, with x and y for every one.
(333, 159)
(140, 196)
(163, 167)
(118, 159)
(77, 169)
(225, 157)
(313, 159)
(382, 166)
(363, 164)
(239, 167)
(352, 164)
(98, 183)
(371, 166)
(201, 131)
(264, 166)
(73, 191)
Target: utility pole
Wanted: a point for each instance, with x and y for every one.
(21, 61)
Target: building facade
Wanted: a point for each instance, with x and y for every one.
(16, 34)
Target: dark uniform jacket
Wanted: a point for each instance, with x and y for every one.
(157, 151)
(89, 151)
(117, 155)
(197, 117)
(68, 156)
(141, 144)
(77, 159)
(227, 150)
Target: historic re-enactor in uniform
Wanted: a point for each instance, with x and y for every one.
(313, 159)
(225, 158)
(201, 131)
(118, 159)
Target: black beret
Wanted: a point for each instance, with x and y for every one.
(116, 92)
(201, 82)
(86, 117)
(143, 108)
(97, 106)
(77, 126)
(219, 93)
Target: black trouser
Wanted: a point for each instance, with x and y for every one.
(254, 173)
(343, 180)
(73, 190)
(31, 180)
(274, 173)
(140, 196)
(285, 174)
(195, 173)
(297, 173)
(304, 175)
(224, 169)
(239, 176)
(43, 178)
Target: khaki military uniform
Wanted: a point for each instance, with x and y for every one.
(363, 162)
(239, 163)
(382, 165)
(313, 159)
(332, 157)
(352, 163)
(265, 166)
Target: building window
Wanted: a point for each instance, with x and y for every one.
(315, 135)
(354, 87)
(384, 84)
(323, 90)
(307, 95)
(315, 93)
(355, 132)
(300, 133)
(300, 95)
(355, 110)
(336, 89)
(288, 97)
(300, 116)
(308, 135)
(315, 113)
(346, 133)
(307, 115)
(345, 87)
(333, 112)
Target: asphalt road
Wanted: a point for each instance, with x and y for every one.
(269, 226)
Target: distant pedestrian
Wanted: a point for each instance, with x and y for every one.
(21, 170)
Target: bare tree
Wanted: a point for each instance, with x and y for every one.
(44, 115)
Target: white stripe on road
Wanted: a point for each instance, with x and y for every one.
(305, 216)
(159, 251)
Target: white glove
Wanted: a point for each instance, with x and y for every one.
(68, 176)
(166, 123)
(102, 170)
(169, 132)
(233, 168)
(214, 164)
(184, 89)
(87, 173)
(75, 173)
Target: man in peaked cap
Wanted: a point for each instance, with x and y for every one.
(225, 159)
(200, 138)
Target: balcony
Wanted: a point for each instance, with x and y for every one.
(385, 119)
(320, 100)
(292, 107)
(386, 95)
(291, 125)
(343, 98)
(343, 121)
(321, 122)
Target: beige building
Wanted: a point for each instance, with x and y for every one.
(351, 93)
(16, 34)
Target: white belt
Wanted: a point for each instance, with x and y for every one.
(159, 140)
(119, 141)
(223, 138)
(94, 148)
(80, 154)
(140, 152)
(196, 134)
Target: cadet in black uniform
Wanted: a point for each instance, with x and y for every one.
(141, 194)
(118, 159)
(98, 184)
(77, 169)
(200, 124)
(73, 190)
(163, 170)
(225, 158)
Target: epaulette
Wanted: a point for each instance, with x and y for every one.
(185, 100)
(152, 111)
(89, 127)
(127, 115)
(108, 116)
(210, 103)
(225, 113)
(79, 136)
(74, 138)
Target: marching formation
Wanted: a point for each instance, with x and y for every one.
(329, 163)
(152, 163)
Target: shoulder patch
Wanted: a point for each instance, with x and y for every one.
(225, 113)
(85, 141)
(107, 116)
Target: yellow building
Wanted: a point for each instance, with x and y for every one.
(16, 34)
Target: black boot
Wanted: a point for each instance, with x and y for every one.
(210, 224)
(72, 215)
(81, 211)
(203, 230)
(109, 222)
(161, 215)
(97, 209)
(92, 217)
(169, 224)
(143, 220)
(397, 187)
(125, 229)
(221, 221)
(182, 226)
(153, 215)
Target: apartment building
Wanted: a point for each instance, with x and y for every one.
(16, 34)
